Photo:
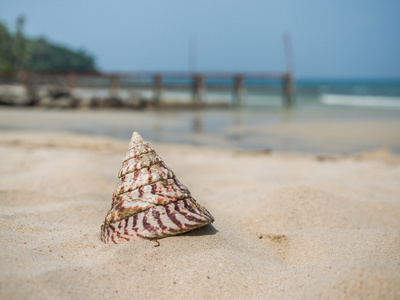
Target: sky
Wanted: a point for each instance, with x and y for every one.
(330, 39)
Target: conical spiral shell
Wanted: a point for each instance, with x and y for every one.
(149, 201)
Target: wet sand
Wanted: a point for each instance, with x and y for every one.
(327, 131)
(287, 225)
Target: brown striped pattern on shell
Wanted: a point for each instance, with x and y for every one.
(158, 222)
(159, 193)
(149, 202)
(143, 177)
(141, 161)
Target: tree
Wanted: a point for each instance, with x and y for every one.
(19, 45)
(46, 56)
(6, 57)
(20, 53)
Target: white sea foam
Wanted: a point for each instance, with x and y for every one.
(365, 101)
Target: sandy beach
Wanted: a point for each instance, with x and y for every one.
(173, 150)
(287, 225)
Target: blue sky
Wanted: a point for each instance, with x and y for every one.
(331, 39)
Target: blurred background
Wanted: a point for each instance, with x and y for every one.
(284, 75)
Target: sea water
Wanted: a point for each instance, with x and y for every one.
(268, 93)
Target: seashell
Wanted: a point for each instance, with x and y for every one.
(149, 202)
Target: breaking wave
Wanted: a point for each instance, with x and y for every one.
(364, 101)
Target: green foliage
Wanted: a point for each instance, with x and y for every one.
(20, 53)
(45, 56)
(6, 56)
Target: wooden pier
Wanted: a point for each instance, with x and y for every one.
(158, 82)
(196, 82)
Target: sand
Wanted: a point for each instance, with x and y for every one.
(287, 226)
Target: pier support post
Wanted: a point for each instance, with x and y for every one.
(199, 88)
(157, 88)
(26, 79)
(114, 86)
(71, 82)
(239, 90)
(288, 90)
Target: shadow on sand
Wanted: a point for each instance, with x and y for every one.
(205, 230)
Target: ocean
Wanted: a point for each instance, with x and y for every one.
(267, 94)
